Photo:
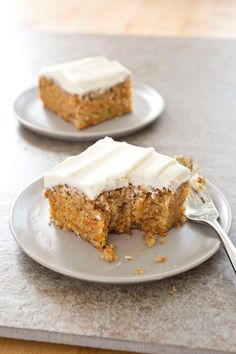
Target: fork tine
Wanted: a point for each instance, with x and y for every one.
(194, 197)
(206, 196)
(203, 196)
(201, 205)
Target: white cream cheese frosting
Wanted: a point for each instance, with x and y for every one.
(108, 164)
(86, 75)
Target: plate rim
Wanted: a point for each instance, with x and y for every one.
(89, 136)
(118, 280)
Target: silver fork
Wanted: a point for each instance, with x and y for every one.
(200, 208)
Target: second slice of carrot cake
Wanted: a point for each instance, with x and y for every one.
(88, 91)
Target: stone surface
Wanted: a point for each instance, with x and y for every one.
(198, 81)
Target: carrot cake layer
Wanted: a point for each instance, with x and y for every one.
(88, 91)
(115, 187)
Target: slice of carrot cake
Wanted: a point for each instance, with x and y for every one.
(114, 187)
(88, 91)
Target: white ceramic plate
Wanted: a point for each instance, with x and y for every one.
(29, 110)
(185, 248)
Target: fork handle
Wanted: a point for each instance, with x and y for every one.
(226, 242)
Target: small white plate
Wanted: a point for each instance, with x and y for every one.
(186, 247)
(29, 110)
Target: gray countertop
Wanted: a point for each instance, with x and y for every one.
(198, 81)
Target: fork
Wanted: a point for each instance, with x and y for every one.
(200, 208)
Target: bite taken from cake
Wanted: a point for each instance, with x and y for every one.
(116, 187)
(87, 91)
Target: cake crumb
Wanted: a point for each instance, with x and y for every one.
(162, 241)
(129, 258)
(150, 240)
(138, 271)
(109, 253)
(181, 221)
(160, 259)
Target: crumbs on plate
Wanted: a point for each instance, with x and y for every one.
(160, 259)
(138, 271)
(129, 258)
